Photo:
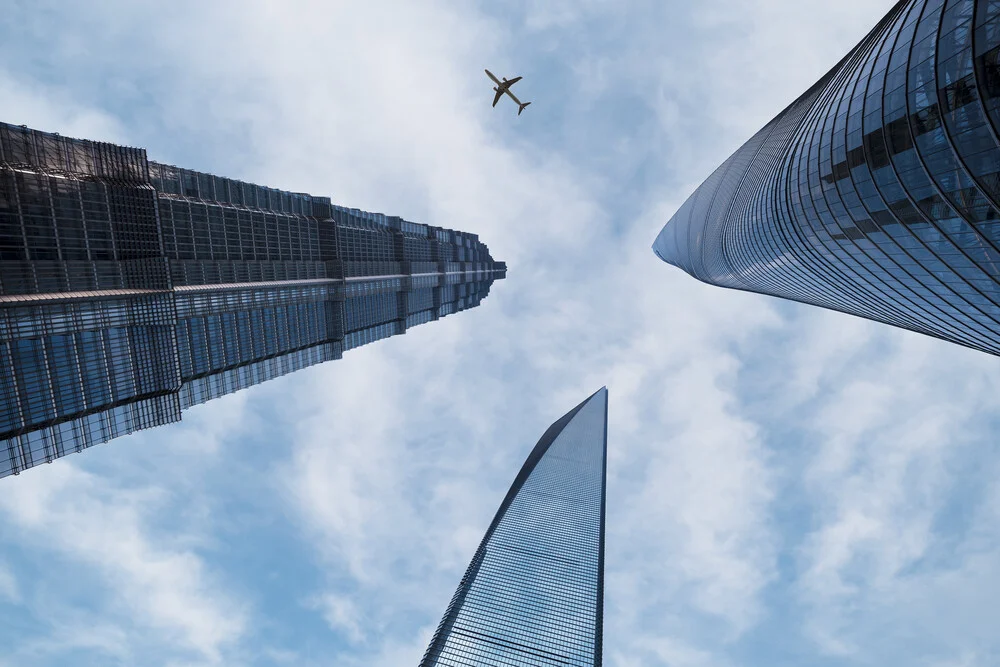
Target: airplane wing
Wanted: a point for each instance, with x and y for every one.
(511, 82)
(499, 95)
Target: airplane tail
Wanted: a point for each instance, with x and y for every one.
(521, 108)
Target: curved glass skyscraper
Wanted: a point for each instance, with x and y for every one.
(877, 192)
(533, 595)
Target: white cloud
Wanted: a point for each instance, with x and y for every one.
(342, 615)
(883, 474)
(75, 633)
(90, 522)
(9, 589)
(51, 109)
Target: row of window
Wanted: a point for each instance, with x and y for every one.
(58, 376)
(190, 304)
(60, 234)
(23, 451)
(74, 316)
(198, 185)
(207, 344)
(225, 272)
(202, 389)
(23, 147)
(54, 218)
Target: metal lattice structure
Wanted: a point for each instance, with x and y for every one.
(877, 192)
(131, 290)
(533, 595)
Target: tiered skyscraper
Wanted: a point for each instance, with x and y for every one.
(533, 595)
(877, 192)
(132, 290)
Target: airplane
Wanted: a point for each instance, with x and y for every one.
(504, 87)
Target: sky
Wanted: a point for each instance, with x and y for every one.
(786, 485)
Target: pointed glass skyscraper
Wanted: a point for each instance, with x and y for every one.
(533, 595)
(132, 290)
(877, 192)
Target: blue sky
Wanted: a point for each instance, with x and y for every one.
(787, 486)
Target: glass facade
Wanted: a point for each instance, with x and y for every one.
(132, 290)
(533, 595)
(877, 192)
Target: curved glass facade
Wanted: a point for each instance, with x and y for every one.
(877, 192)
(533, 594)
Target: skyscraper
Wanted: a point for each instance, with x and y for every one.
(877, 192)
(132, 290)
(533, 595)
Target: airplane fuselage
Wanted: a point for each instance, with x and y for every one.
(503, 86)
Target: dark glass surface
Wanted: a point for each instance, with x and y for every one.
(131, 290)
(876, 193)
